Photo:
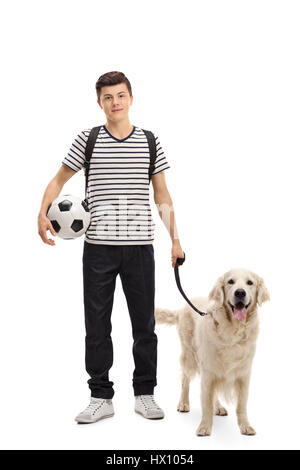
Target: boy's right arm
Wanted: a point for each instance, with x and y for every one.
(52, 192)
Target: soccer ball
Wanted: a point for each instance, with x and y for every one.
(69, 216)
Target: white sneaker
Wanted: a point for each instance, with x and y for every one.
(146, 406)
(98, 408)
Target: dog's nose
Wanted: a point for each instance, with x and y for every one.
(240, 293)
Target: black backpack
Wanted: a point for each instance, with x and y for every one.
(90, 147)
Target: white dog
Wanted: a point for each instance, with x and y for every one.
(219, 346)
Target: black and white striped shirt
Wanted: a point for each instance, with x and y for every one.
(118, 186)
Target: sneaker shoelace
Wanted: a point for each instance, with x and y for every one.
(149, 402)
(94, 406)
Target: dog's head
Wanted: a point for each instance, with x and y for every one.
(239, 291)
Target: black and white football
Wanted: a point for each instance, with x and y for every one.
(69, 216)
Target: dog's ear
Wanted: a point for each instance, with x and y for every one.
(262, 292)
(217, 293)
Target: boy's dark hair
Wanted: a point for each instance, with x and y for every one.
(112, 78)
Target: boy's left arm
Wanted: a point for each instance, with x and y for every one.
(165, 209)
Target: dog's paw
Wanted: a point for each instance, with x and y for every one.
(183, 407)
(203, 430)
(247, 430)
(221, 411)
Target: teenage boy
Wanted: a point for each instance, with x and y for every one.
(119, 240)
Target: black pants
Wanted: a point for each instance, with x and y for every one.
(101, 265)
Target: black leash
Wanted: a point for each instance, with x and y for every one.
(179, 262)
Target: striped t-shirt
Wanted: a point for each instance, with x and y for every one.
(118, 186)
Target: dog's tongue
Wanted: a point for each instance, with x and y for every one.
(240, 313)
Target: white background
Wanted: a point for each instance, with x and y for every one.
(218, 81)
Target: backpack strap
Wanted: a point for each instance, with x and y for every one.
(152, 151)
(88, 152)
(91, 144)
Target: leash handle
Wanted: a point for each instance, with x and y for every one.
(179, 262)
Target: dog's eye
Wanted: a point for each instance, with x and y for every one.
(250, 283)
(231, 281)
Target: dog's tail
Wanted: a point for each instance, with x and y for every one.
(163, 315)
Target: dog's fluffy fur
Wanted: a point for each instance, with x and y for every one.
(220, 347)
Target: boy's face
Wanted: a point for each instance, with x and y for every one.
(113, 98)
